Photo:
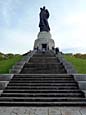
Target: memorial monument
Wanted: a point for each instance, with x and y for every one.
(44, 40)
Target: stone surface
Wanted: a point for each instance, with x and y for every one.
(39, 111)
(44, 38)
(54, 111)
(4, 80)
(44, 35)
(83, 111)
(42, 110)
(80, 77)
(48, 89)
(5, 77)
(68, 66)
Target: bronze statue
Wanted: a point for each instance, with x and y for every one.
(44, 15)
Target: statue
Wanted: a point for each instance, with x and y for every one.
(44, 15)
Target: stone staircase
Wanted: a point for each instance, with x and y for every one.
(43, 63)
(43, 82)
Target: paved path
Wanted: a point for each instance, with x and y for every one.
(42, 110)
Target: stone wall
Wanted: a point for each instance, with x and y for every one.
(44, 38)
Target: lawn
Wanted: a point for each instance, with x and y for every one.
(79, 64)
(6, 64)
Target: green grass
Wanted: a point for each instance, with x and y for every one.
(7, 64)
(79, 64)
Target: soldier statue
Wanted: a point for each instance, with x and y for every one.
(43, 24)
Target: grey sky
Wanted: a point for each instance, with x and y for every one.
(19, 21)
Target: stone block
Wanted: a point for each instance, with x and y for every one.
(44, 38)
(15, 71)
(84, 92)
(54, 111)
(80, 77)
(5, 77)
(70, 113)
(3, 84)
(82, 85)
(83, 111)
(39, 111)
(20, 63)
(17, 67)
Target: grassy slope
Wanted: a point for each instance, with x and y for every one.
(5, 65)
(79, 64)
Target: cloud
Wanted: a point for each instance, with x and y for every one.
(6, 9)
(74, 32)
(17, 41)
(20, 25)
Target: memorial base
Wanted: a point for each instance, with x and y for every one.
(44, 41)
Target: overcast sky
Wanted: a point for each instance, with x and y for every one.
(19, 20)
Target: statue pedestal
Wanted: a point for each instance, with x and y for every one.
(44, 41)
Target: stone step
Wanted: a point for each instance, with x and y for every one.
(42, 84)
(44, 60)
(52, 62)
(37, 56)
(40, 91)
(42, 99)
(49, 63)
(49, 66)
(47, 53)
(40, 76)
(42, 71)
(43, 87)
(54, 57)
(43, 76)
(40, 81)
(43, 55)
(43, 65)
(55, 67)
(42, 94)
(46, 83)
(42, 104)
(25, 72)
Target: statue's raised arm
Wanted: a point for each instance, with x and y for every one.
(43, 24)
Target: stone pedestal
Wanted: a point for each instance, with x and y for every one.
(44, 41)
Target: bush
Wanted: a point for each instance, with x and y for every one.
(10, 55)
(1, 58)
(81, 56)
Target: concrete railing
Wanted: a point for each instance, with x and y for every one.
(81, 79)
(19, 65)
(4, 80)
(68, 66)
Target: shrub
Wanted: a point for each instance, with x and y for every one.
(82, 56)
(10, 55)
